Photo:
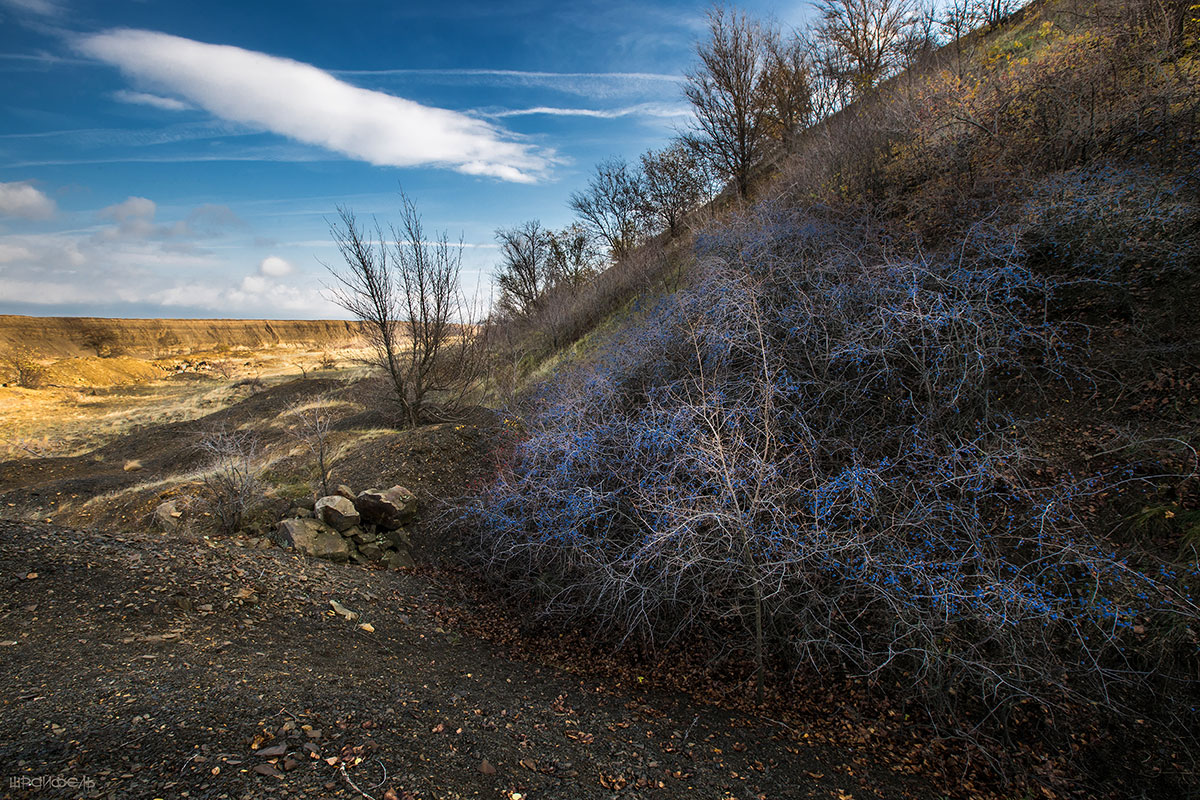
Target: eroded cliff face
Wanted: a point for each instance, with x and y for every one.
(63, 337)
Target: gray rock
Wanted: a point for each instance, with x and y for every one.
(387, 509)
(371, 552)
(168, 516)
(353, 532)
(314, 538)
(300, 512)
(362, 537)
(337, 512)
(345, 491)
(397, 538)
(399, 558)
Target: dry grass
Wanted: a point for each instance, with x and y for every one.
(92, 401)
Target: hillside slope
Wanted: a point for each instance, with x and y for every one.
(922, 409)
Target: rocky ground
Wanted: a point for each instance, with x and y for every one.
(138, 662)
(199, 668)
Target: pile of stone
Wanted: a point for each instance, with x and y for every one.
(364, 528)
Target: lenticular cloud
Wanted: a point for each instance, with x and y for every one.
(308, 104)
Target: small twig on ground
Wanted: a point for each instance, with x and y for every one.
(780, 724)
(382, 780)
(688, 732)
(346, 776)
(189, 760)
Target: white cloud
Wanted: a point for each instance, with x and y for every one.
(274, 267)
(135, 218)
(24, 200)
(133, 208)
(146, 99)
(308, 104)
(254, 295)
(13, 252)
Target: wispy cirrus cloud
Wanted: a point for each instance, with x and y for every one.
(587, 84)
(147, 99)
(45, 8)
(310, 105)
(660, 110)
(518, 74)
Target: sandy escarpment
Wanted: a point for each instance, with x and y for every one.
(148, 338)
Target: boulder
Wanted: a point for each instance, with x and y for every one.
(168, 516)
(399, 558)
(398, 539)
(387, 509)
(345, 491)
(314, 538)
(371, 552)
(337, 512)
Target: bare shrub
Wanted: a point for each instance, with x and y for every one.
(101, 339)
(804, 454)
(310, 425)
(24, 368)
(1116, 224)
(229, 478)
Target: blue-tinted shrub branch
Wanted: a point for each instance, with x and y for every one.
(806, 446)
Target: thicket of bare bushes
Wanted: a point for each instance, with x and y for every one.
(803, 456)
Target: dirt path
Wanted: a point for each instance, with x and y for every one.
(156, 668)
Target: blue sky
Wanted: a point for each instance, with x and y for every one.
(171, 159)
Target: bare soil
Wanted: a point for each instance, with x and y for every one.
(196, 668)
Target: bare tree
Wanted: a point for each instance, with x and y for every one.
(524, 272)
(993, 12)
(416, 318)
(725, 92)
(957, 20)
(864, 39)
(572, 259)
(675, 182)
(612, 207)
(311, 426)
(787, 89)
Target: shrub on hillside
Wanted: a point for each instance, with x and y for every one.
(804, 451)
(230, 478)
(21, 367)
(1113, 223)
